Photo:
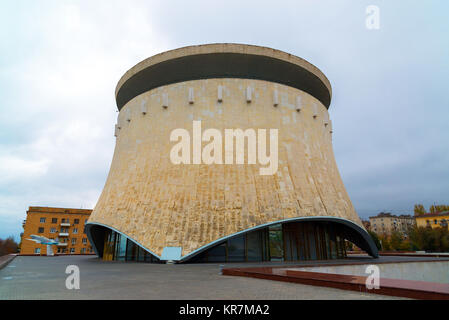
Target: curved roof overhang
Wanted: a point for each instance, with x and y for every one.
(352, 232)
(223, 61)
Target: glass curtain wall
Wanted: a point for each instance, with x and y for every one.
(313, 241)
(282, 242)
(276, 242)
(294, 241)
(120, 248)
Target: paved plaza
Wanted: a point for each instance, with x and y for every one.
(28, 277)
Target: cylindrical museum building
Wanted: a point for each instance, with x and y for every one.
(224, 154)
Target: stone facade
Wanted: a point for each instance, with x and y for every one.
(159, 204)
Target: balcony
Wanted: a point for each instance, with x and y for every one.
(63, 234)
(65, 224)
(62, 244)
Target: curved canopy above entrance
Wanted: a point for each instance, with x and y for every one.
(325, 226)
(302, 238)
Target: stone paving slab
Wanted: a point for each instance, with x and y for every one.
(44, 278)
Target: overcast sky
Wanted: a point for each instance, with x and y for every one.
(60, 62)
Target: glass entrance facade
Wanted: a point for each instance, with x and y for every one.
(120, 248)
(313, 241)
(282, 242)
(293, 241)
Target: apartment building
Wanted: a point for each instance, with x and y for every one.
(386, 223)
(434, 220)
(64, 225)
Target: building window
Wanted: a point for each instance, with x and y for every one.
(75, 230)
(73, 240)
(54, 220)
(37, 250)
(72, 250)
(83, 250)
(84, 240)
(40, 230)
(435, 221)
(85, 221)
(42, 220)
(52, 230)
(77, 221)
(65, 220)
